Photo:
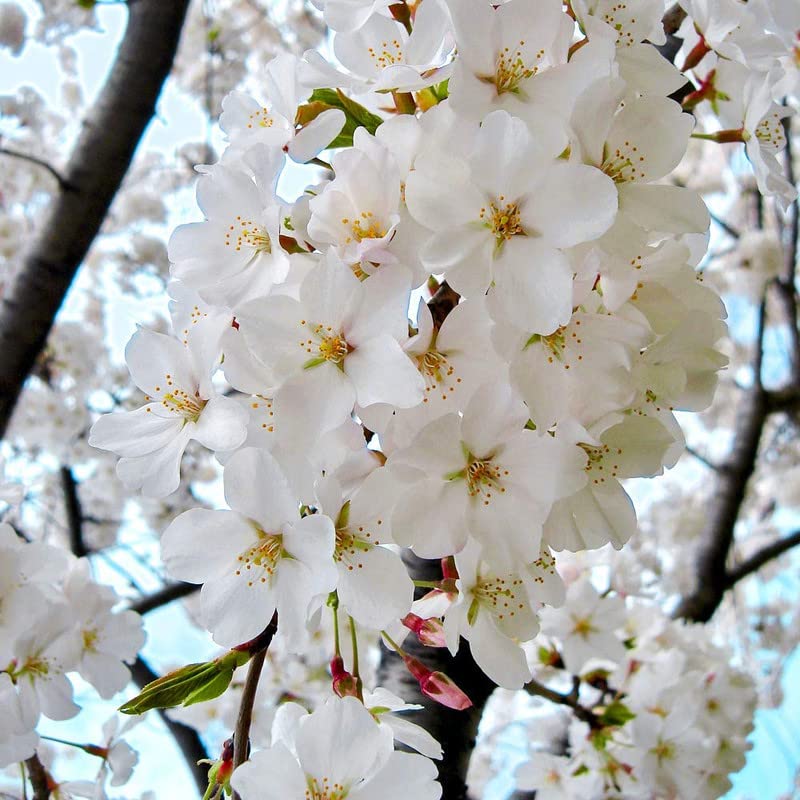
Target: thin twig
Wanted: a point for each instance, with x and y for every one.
(160, 598)
(63, 183)
(570, 700)
(701, 458)
(72, 505)
(729, 229)
(241, 736)
(761, 557)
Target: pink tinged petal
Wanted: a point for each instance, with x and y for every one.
(235, 608)
(404, 776)
(159, 473)
(317, 401)
(533, 286)
(374, 587)
(572, 203)
(502, 659)
(256, 487)
(382, 373)
(200, 544)
(430, 518)
(342, 741)
(222, 425)
(317, 135)
(271, 774)
(151, 357)
(669, 209)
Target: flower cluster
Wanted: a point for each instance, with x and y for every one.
(54, 620)
(470, 327)
(667, 714)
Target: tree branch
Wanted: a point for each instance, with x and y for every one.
(786, 285)
(711, 578)
(72, 506)
(456, 731)
(569, 700)
(40, 782)
(187, 739)
(241, 736)
(63, 184)
(761, 557)
(94, 173)
(160, 598)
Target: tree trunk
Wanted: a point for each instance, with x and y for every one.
(455, 730)
(92, 178)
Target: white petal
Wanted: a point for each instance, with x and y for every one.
(382, 373)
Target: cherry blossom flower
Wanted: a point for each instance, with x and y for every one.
(181, 405)
(256, 558)
(338, 751)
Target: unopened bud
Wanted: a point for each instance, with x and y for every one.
(437, 685)
(345, 684)
(429, 631)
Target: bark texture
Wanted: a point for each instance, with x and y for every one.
(455, 730)
(91, 179)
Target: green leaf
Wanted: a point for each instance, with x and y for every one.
(187, 685)
(87, 4)
(616, 714)
(356, 116)
(212, 689)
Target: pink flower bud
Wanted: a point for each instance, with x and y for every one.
(344, 683)
(437, 685)
(429, 631)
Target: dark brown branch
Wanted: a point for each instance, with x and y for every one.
(170, 592)
(187, 739)
(570, 700)
(63, 184)
(72, 505)
(94, 173)
(456, 731)
(39, 779)
(711, 578)
(787, 294)
(761, 557)
(702, 459)
(241, 736)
